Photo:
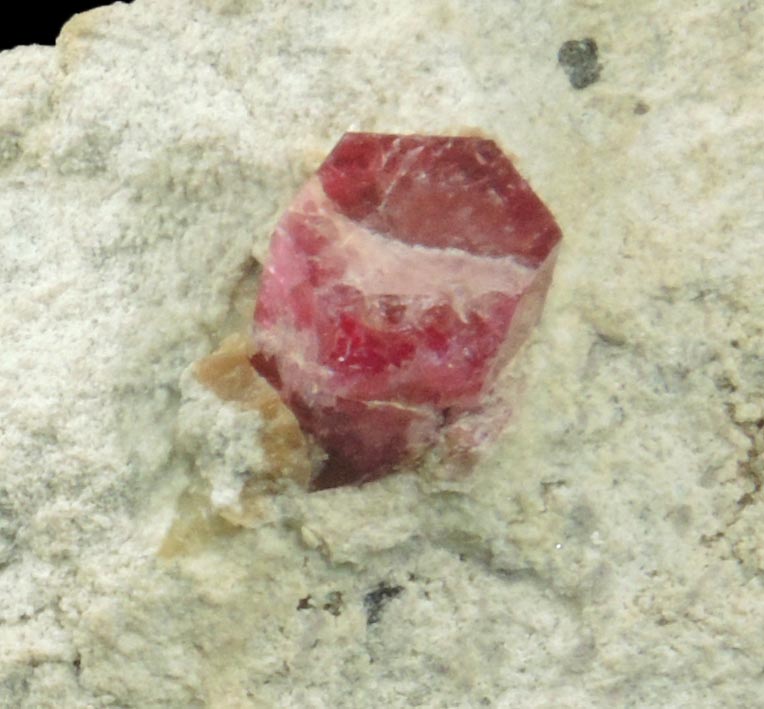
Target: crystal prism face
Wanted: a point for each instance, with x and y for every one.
(400, 281)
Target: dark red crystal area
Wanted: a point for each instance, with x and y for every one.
(441, 192)
(401, 279)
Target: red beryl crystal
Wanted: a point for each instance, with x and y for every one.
(403, 277)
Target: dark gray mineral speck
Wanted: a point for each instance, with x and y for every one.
(376, 600)
(578, 57)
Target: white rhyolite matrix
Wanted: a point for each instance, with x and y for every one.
(606, 552)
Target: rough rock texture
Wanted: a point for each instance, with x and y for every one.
(608, 554)
(399, 283)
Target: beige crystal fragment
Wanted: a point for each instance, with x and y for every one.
(195, 525)
(287, 454)
(228, 373)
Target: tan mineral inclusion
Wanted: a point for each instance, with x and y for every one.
(228, 373)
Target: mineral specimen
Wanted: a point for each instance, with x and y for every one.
(400, 281)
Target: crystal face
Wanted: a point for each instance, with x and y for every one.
(400, 281)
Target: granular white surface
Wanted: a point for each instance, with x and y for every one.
(609, 551)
